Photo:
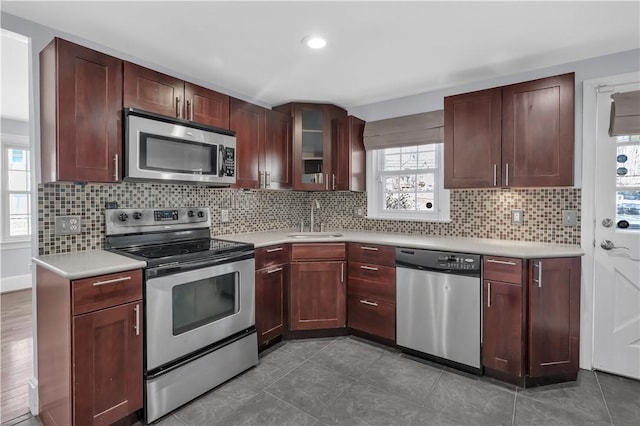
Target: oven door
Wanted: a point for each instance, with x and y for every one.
(188, 311)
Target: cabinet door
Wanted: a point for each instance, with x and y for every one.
(472, 139)
(312, 147)
(554, 316)
(271, 284)
(502, 347)
(153, 91)
(276, 165)
(206, 106)
(81, 96)
(538, 132)
(348, 155)
(317, 295)
(248, 121)
(107, 364)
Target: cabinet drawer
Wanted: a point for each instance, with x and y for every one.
(505, 269)
(273, 255)
(372, 316)
(365, 271)
(325, 251)
(104, 291)
(375, 289)
(371, 253)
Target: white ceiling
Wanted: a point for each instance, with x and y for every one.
(376, 50)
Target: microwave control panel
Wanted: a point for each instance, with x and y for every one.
(227, 161)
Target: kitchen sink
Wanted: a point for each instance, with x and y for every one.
(314, 235)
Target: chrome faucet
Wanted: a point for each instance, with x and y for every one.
(314, 205)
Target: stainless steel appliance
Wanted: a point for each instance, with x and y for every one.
(199, 302)
(168, 149)
(438, 305)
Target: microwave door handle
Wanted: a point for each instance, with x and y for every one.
(220, 161)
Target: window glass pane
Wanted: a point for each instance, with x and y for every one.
(424, 201)
(628, 138)
(18, 180)
(628, 210)
(409, 160)
(18, 159)
(426, 159)
(19, 217)
(426, 182)
(628, 165)
(400, 201)
(392, 162)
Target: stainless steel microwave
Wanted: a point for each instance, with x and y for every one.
(161, 148)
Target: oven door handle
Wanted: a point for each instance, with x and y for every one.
(177, 267)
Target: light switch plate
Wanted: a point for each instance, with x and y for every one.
(68, 225)
(570, 217)
(517, 216)
(358, 212)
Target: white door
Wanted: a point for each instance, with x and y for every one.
(617, 245)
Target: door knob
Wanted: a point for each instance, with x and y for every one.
(609, 245)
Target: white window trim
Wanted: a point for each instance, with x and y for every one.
(375, 194)
(19, 141)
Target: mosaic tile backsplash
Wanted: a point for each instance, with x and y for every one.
(474, 213)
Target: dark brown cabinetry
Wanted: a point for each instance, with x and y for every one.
(318, 286)
(348, 154)
(80, 113)
(90, 335)
(520, 135)
(163, 94)
(531, 319)
(272, 280)
(312, 144)
(371, 300)
(263, 146)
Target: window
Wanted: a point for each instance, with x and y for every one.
(628, 182)
(407, 183)
(16, 189)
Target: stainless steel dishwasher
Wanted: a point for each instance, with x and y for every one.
(438, 305)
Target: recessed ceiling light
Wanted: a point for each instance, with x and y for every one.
(314, 42)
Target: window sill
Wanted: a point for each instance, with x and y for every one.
(408, 219)
(13, 245)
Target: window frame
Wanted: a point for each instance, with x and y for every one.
(376, 190)
(7, 142)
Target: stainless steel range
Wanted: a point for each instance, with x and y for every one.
(199, 302)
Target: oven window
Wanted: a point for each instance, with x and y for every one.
(204, 301)
(176, 155)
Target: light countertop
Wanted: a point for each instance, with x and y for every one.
(508, 248)
(85, 264)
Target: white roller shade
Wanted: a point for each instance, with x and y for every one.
(415, 129)
(625, 114)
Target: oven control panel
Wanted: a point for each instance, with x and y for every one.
(127, 221)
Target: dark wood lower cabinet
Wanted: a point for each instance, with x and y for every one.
(372, 316)
(503, 344)
(317, 295)
(271, 285)
(107, 364)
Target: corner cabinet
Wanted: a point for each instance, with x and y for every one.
(163, 94)
(80, 114)
(312, 144)
(521, 135)
(531, 319)
(90, 337)
(318, 285)
(348, 154)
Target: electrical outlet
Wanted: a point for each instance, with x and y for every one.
(570, 217)
(358, 212)
(517, 216)
(68, 225)
(224, 215)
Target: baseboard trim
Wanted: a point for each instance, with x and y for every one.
(15, 283)
(33, 396)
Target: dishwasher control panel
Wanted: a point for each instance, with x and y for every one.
(458, 262)
(438, 260)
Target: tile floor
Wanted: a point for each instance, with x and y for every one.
(348, 381)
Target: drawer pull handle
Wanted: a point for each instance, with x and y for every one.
(137, 326)
(113, 281)
(368, 268)
(366, 302)
(501, 262)
(488, 295)
(369, 248)
(539, 280)
(274, 249)
(273, 271)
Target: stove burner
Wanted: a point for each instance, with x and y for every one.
(163, 252)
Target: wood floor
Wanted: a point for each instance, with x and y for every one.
(16, 334)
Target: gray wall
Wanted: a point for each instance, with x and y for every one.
(15, 262)
(15, 127)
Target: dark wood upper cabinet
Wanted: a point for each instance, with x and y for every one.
(163, 94)
(472, 145)
(554, 316)
(312, 144)
(348, 154)
(538, 132)
(248, 121)
(80, 113)
(276, 160)
(520, 135)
